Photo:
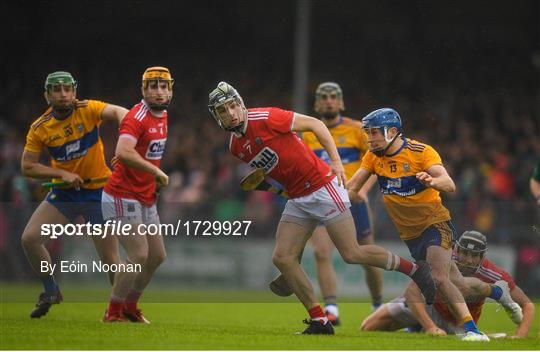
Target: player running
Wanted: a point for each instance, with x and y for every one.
(470, 257)
(130, 193)
(351, 142)
(411, 175)
(265, 138)
(69, 130)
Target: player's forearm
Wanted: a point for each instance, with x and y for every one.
(444, 183)
(38, 170)
(416, 304)
(131, 158)
(325, 138)
(528, 317)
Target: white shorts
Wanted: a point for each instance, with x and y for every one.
(402, 314)
(128, 210)
(323, 205)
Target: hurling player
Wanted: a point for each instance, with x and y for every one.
(130, 193)
(265, 138)
(69, 131)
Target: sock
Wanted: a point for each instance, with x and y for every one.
(375, 306)
(316, 313)
(49, 284)
(328, 300)
(469, 325)
(395, 262)
(331, 309)
(132, 299)
(116, 305)
(496, 292)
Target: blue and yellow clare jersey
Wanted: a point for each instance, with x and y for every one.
(73, 143)
(412, 206)
(351, 143)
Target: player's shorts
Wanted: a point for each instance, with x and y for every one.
(442, 234)
(72, 203)
(360, 215)
(128, 210)
(325, 205)
(401, 313)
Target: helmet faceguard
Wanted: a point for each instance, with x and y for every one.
(59, 78)
(157, 74)
(218, 98)
(470, 244)
(383, 120)
(328, 89)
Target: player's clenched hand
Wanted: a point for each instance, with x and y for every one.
(425, 178)
(337, 168)
(73, 179)
(435, 331)
(161, 178)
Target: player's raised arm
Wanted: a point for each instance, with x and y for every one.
(417, 305)
(113, 113)
(528, 308)
(437, 177)
(126, 153)
(303, 123)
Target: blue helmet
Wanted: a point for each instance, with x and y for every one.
(382, 118)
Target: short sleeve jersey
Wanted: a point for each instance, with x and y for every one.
(150, 134)
(351, 143)
(412, 206)
(73, 143)
(269, 143)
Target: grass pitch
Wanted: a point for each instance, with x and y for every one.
(230, 324)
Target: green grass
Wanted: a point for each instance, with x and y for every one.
(229, 325)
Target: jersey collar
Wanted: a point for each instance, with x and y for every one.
(400, 148)
(339, 122)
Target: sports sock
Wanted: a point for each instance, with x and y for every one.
(496, 292)
(116, 305)
(395, 262)
(316, 313)
(132, 299)
(330, 300)
(331, 309)
(469, 325)
(49, 284)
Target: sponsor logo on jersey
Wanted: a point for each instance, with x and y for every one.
(406, 167)
(73, 147)
(267, 159)
(155, 150)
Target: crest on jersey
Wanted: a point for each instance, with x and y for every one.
(341, 140)
(258, 140)
(80, 127)
(406, 167)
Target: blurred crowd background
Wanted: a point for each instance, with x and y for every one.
(463, 75)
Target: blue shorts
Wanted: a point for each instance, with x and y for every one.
(442, 234)
(72, 203)
(360, 215)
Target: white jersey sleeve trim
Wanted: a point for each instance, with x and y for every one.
(128, 136)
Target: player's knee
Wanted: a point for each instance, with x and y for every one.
(138, 257)
(29, 240)
(283, 260)
(323, 255)
(349, 256)
(367, 325)
(440, 278)
(156, 259)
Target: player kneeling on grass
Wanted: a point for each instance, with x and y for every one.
(265, 138)
(410, 310)
(411, 175)
(69, 131)
(130, 193)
